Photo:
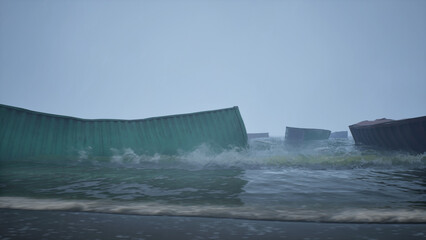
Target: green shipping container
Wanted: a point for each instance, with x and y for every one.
(26, 134)
(305, 134)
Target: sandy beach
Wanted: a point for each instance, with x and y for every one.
(24, 224)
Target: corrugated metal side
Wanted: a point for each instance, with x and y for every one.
(25, 133)
(408, 134)
(306, 134)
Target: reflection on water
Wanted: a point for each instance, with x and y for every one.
(333, 189)
(318, 181)
(220, 186)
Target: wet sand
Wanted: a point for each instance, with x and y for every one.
(26, 224)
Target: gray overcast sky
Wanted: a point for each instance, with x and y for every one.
(319, 64)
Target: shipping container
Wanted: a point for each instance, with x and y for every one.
(305, 134)
(339, 134)
(407, 134)
(29, 134)
(257, 135)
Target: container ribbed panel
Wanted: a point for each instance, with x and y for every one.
(305, 134)
(29, 134)
(407, 134)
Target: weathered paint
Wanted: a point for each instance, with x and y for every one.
(407, 134)
(305, 134)
(30, 134)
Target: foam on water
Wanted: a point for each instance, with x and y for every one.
(243, 212)
(270, 153)
(330, 181)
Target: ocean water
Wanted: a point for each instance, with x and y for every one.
(321, 181)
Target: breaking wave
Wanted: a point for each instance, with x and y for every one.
(268, 153)
(360, 215)
(322, 181)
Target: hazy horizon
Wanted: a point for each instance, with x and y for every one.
(314, 64)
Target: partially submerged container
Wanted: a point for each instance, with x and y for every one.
(257, 135)
(407, 134)
(339, 134)
(30, 134)
(305, 134)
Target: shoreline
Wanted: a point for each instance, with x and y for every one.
(48, 224)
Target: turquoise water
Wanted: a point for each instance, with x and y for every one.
(325, 181)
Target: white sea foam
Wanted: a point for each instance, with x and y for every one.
(330, 181)
(359, 215)
(273, 152)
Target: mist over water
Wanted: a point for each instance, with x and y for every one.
(261, 154)
(331, 181)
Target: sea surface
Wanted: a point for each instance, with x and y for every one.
(321, 181)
